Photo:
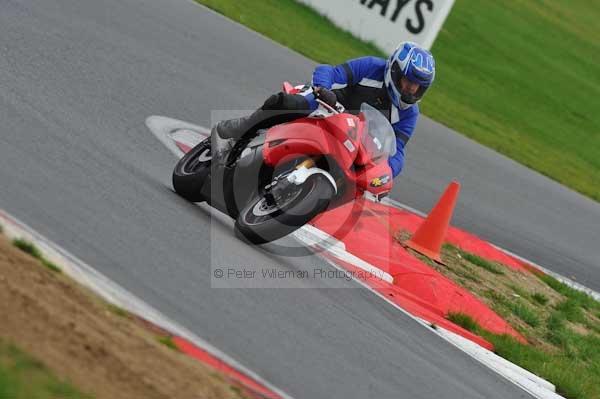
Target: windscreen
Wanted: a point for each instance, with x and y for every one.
(379, 138)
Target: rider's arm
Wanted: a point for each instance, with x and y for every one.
(396, 162)
(348, 73)
(404, 129)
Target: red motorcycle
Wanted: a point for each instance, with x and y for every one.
(277, 181)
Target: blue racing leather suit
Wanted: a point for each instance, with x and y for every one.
(362, 80)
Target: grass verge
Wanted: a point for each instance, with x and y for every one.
(574, 370)
(532, 99)
(560, 323)
(167, 341)
(541, 299)
(32, 250)
(23, 377)
(118, 311)
(480, 262)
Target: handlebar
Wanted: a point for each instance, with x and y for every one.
(339, 107)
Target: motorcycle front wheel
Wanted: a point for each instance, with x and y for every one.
(268, 217)
(191, 172)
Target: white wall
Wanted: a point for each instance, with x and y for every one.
(387, 22)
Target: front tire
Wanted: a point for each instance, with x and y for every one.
(191, 172)
(260, 221)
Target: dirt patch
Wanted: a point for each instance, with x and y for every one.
(101, 350)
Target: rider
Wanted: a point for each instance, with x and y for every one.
(393, 86)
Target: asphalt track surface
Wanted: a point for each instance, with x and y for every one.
(77, 80)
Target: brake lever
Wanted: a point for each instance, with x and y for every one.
(328, 107)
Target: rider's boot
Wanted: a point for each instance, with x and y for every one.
(226, 133)
(274, 110)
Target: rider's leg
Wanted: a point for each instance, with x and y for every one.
(278, 108)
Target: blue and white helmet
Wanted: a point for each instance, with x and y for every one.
(417, 65)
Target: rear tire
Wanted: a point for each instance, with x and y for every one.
(260, 223)
(191, 172)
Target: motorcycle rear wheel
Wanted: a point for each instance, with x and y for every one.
(262, 221)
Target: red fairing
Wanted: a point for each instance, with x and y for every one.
(344, 126)
(337, 137)
(311, 136)
(289, 89)
(377, 179)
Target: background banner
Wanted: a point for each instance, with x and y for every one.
(387, 22)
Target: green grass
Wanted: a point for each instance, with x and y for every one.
(119, 311)
(475, 260)
(296, 26)
(540, 298)
(559, 322)
(465, 321)
(533, 94)
(480, 262)
(519, 291)
(581, 298)
(50, 265)
(32, 250)
(524, 312)
(522, 77)
(168, 342)
(27, 247)
(469, 275)
(503, 306)
(564, 335)
(23, 377)
(571, 310)
(574, 370)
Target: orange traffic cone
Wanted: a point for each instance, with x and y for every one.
(429, 237)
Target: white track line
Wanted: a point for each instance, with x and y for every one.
(115, 294)
(310, 235)
(400, 205)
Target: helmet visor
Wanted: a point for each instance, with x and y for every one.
(407, 97)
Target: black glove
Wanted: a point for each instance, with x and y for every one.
(325, 95)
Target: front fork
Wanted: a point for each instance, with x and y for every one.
(275, 183)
